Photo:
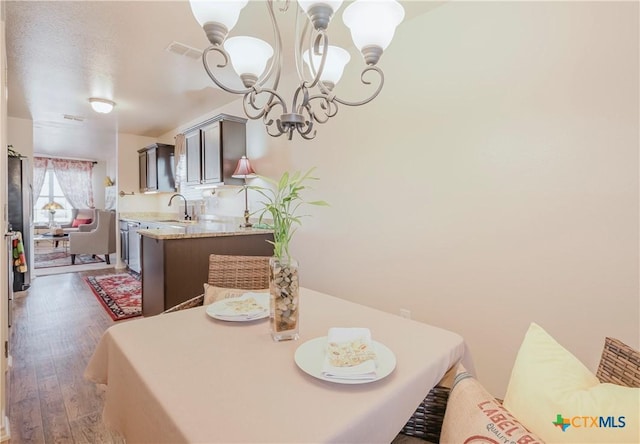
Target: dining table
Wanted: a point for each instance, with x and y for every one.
(186, 377)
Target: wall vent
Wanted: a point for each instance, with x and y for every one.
(184, 50)
(74, 118)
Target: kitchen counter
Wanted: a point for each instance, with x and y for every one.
(184, 230)
(166, 226)
(175, 256)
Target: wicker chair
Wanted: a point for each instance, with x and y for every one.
(245, 272)
(619, 364)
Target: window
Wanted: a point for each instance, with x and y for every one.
(51, 192)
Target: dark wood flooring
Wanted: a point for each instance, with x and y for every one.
(57, 323)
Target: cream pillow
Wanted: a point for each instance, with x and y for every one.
(213, 294)
(555, 396)
(474, 416)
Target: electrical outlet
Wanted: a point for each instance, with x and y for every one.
(405, 313)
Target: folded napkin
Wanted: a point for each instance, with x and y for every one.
(248, 306)
(350, 354)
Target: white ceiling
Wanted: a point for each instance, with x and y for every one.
(60, 53)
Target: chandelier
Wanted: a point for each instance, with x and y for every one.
(319, 65)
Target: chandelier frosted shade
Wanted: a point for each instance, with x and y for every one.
(373, 23)
(225, 12)
(337, 59)
(248, 55)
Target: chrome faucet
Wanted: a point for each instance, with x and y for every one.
(186, 214)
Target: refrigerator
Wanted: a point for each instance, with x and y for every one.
(20, 207)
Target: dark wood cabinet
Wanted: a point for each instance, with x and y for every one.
(156, 168)
(152, 169)
(142, 171)
(193, 156)
(174, 270)
(213, 150)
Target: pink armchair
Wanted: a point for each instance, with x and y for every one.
(100, 240)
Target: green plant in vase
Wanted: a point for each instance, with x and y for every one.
(282, 203)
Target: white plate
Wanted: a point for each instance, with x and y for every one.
(310, 357)
(219, 309)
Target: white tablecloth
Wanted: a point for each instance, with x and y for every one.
(184, 377)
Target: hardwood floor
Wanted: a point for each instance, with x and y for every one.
(57, 323)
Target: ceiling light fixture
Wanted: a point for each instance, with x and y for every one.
(103, 106)
(372, 24)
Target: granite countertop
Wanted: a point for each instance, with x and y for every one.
(168, 226)
(200, 229)
(151, 217)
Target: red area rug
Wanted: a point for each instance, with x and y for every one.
(120, 294)
(61, 259)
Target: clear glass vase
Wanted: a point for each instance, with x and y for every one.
(284, 313)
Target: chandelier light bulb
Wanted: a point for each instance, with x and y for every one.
(103, 106)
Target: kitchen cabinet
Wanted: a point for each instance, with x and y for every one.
(174, 270)
(213, 149)
(133, 247)
(156, 168)
(124, 241)
(130, 241)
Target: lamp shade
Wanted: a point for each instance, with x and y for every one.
(103, 106)
(244, 169)
(337, 59)
(249, 55)
(52, 206)
(225, 12)
(373, 22)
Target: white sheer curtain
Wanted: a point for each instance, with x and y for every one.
(76, 180)
(40, 165)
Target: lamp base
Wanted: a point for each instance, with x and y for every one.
(246, 223)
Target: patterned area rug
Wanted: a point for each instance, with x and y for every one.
(61, 259)
(120, 294)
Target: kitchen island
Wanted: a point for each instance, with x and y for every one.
(175, 258)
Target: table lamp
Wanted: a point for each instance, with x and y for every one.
(244, 171)
(52, 207)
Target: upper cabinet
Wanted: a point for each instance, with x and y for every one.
(213, 150)
(157, 168)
